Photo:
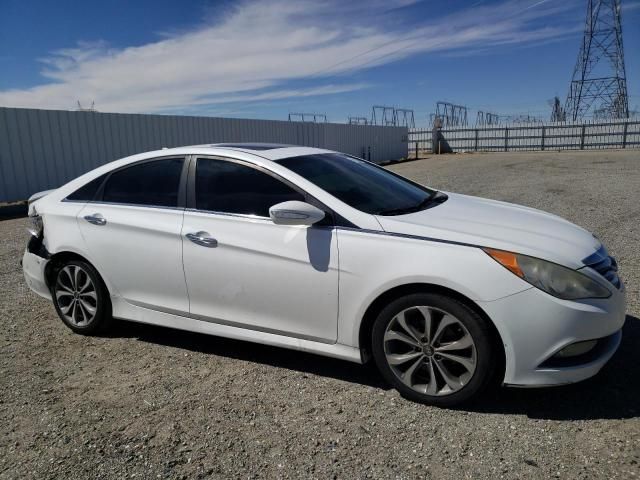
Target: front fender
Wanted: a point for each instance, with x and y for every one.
(372, 264)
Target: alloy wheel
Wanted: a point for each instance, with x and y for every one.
(76, 295)
(430, 350)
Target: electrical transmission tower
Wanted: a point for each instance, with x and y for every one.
(308, 117)
(358, 120)
(383, 115)
(392, 117)
(599, 83)
(484, 119)
(557, 113)
(521, 119)
(451, 115)
(92, 108)
(405, 118)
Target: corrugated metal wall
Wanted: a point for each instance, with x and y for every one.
(43, 149)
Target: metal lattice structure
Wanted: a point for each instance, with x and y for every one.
(451, 115)
(308, 117)
(405, 118)
(358, 121)
(486, 119)
(92, 108)
(392, 116)
(522, 119)
(383, 115)
(558, 114)
(599, 85)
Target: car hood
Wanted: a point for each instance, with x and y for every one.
(499, 225)
(31, 203)
(37, 196)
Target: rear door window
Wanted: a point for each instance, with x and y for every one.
(154, 183)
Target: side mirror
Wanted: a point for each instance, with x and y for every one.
(295, 213)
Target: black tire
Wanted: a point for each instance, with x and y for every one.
(101, 318)
(484, 356)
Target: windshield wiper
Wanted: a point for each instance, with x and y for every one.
(435, 198)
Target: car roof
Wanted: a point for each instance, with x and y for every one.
(268, 151)
(253, 145)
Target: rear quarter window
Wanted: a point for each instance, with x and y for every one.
(88, 191)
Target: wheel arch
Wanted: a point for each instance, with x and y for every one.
(372, 311)
(57, 259)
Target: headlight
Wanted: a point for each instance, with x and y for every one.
(556, 280)
(36, 226)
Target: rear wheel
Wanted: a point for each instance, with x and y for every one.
(433, 349)
(80, 298)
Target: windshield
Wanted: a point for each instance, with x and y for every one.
(360, 184)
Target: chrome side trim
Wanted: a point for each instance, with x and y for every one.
(116, 204)
(409, 236)
(228, 323)
(240, 216)
(349, 229)
(227, 214)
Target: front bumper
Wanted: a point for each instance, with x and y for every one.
(33, 267)
(534, 326)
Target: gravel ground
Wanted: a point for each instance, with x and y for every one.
(148, 402)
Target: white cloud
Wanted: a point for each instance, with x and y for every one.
(280, 94)
(254, 51)
(629, 6)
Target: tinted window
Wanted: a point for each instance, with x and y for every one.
(151, 183)
(360, 184)
(88, 191)
(235, 188)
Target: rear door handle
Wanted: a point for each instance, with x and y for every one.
(202, 238)
(96, 219)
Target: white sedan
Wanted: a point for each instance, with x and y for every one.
(320, 251)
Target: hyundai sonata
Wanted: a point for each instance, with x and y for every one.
(319, 251)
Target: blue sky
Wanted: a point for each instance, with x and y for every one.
(264, 59)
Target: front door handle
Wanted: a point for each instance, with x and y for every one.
(202, 238)
(96, 219)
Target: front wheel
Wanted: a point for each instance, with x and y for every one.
(80, 298)
(433, 349)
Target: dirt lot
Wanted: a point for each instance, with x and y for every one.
(148, 402)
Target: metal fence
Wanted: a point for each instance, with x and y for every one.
(552, 136)
(43, 149)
